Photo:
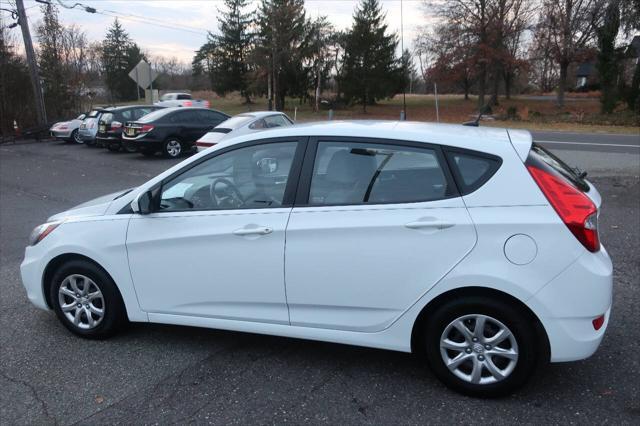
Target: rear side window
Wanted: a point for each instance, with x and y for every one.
(362, 173)
(471, 169)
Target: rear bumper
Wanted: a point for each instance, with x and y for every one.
(86, 135)
(568, 304)
(142, 144)
(109, 140)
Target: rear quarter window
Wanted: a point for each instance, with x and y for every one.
(471, 169)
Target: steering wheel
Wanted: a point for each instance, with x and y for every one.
(230, 196)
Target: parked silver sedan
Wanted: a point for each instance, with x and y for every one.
(68, 130)
(242, 124)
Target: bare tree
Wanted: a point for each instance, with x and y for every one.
(571, 26)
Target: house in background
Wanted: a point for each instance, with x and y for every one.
(631, 60)
(586, 75)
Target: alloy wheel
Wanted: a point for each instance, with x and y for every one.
(479, 349)
(77, 138)
(81, 301)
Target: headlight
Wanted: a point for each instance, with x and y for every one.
(41, 231)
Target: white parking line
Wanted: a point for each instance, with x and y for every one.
(588, 143)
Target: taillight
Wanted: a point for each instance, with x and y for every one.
(207, 104)
(146, 128)
(188, 103)
(576, 210)
(116, 124)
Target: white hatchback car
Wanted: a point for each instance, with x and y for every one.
(241, 124)
(471, 246)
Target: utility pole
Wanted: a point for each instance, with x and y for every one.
(33, 67)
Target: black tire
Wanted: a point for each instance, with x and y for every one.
(519, 323)
(173, 148)
(113, 147)
(148, 152)
(114, 311)
(130, 149)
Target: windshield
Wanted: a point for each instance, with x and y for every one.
(575, 176)
(235, 122)
(153, 116)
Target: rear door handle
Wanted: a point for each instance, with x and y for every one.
(432, 224)
(260, 230)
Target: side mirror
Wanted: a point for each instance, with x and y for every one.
(142, 203)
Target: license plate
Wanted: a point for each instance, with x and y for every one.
(130, 131)
(102, 128)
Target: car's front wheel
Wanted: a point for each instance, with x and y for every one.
(481, 346)
(86, 300)
(172, 148)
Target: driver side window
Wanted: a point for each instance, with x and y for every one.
(246, 178)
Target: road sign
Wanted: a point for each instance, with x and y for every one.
(142, 74)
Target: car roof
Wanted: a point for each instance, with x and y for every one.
(124, 108)
(456, 135)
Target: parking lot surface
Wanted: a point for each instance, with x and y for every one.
(166, 374)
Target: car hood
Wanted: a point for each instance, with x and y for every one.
(96, 207)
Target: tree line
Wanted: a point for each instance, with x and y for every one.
(487, 48)
(280, 52)
(484, 46)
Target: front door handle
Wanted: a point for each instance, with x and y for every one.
(260, 230)
(433, 224)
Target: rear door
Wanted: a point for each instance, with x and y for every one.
(376, 224)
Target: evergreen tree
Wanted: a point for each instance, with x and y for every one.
(233, 45)
(371, 70)
(51, 68)
(119, 55)
(283, 42)
(609, 56)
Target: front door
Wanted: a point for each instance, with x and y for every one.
(215, 246)
(379, 224)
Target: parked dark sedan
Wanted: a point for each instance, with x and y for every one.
(171, 131)
(112, 122)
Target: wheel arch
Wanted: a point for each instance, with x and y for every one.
(423, 316)
(55, 263)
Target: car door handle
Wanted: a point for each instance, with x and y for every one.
(260, 230)
(433, 224)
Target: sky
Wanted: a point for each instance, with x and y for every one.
(150, 22)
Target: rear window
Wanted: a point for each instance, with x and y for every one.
(572, 175)
(236, 122)
(106, 117)
(471, 169)
(184, 96)
(155, 115)
(93, 114)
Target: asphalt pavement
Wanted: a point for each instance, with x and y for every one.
(165, 374)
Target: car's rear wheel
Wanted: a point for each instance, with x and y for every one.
(86, 300)
(130, 149)
(481, 346)
(172, 148)
(75, 137)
